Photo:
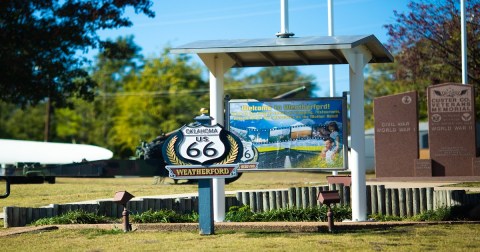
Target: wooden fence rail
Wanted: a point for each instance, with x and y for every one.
(380, 200)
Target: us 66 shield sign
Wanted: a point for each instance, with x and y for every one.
(198, 144)
(202, 143)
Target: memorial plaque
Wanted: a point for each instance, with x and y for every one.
(451, 129)
(396, 135)
(423, 167)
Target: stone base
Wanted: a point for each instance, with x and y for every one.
(423, 167)
(476, 166)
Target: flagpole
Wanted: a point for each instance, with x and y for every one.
(464, 43)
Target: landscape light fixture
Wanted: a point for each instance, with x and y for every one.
(122, 198)
(328, 198)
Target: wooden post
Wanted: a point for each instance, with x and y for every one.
(259, 201)
(291, 197)
(374, 199)
(245, 198)
(409, 201)
(285, 198)
(298, 197)
(430, 198)
(341, 193)
(416, 201)
(369, 199)
(388, 201)
(423, 200)
(253, 202)
(272, 199)
(312, 199)
(265, 201)
(305, 197)
(278, 198)
(395, 202)
(401, 200)
(347, 198)
(381, 199)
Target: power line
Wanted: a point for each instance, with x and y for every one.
(197, 91)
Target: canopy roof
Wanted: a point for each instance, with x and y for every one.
(288, 51)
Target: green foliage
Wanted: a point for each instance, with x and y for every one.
(425, 43)
(160, 99)
(73, 217)
(240, 214)
(23, 124)
(272, 81)
(163, 216)
(454, 213)
(41, 41)
(139, 99)
(382, 80)
(245, 214)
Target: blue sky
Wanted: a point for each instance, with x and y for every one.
(183, 21)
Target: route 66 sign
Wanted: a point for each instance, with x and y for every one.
(196, 144)
(201, 143)
(250, 152)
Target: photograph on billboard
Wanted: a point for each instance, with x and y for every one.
(307, 134)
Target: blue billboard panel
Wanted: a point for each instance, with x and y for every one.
(304, 134)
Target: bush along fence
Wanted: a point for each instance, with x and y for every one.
(402, 202)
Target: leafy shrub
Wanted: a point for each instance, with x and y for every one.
(163, 216)
(441, 214)
(453, 213)
(74, 217)
(245, 214)
(240, 214)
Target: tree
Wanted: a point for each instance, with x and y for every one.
(426, 45)
(40, 41)
(427, 41)
(92, 122)
(115, 66)
(167, 93)
(25, 124)
(272, 81)
(381, 81)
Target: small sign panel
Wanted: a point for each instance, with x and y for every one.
(202, 172)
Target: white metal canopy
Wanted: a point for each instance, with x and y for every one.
(357, 51)
(287, 51)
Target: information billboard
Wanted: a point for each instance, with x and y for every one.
(307, 134)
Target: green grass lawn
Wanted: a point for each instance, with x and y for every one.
(447, 237)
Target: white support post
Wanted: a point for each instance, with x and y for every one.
(216, 111)
(357, 121)
(357, 59)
